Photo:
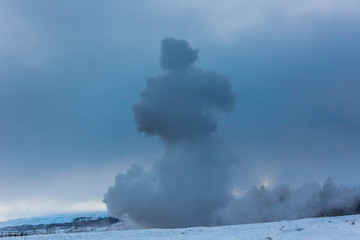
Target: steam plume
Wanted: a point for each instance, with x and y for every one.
(191, 183)
(191, 180)
(309, 200)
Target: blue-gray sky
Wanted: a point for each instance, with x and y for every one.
(70, 73)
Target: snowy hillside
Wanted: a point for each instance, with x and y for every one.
(330, 228)
(65, 223)
(59, 218)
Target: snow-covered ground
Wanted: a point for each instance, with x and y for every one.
(330, 228)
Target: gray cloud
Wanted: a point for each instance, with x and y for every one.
(176, 54)
(182, 103)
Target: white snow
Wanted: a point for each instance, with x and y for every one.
(330, 228)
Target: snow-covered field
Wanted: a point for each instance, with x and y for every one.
(330, 228)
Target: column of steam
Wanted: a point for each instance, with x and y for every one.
(191, 180)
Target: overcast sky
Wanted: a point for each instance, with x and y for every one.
(71, 71)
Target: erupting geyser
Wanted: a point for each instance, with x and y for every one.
(191, 184)
(192, 179)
